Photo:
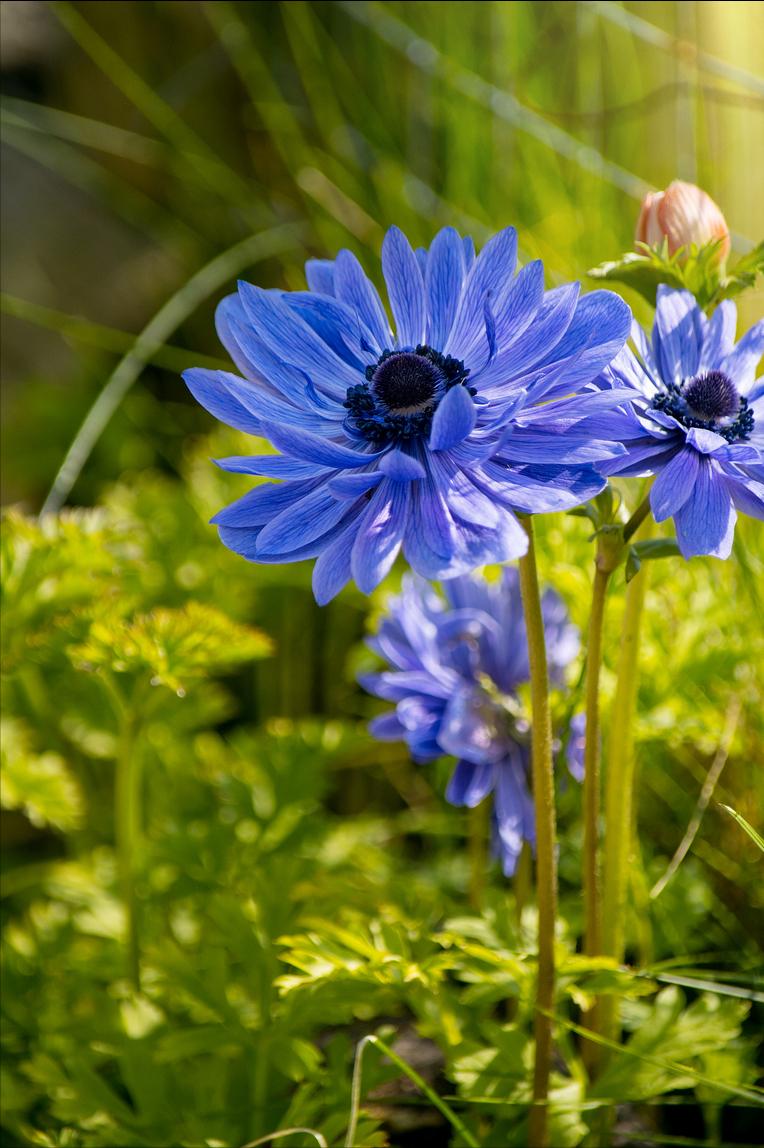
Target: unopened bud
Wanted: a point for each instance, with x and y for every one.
(682, 214)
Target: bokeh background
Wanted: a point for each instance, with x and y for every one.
(152, 153)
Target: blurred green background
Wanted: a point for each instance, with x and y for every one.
(144, 143)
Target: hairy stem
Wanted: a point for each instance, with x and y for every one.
(591, 862)
(546, 874)
(619, 789)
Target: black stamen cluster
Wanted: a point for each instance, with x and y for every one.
(402, 392)
(704, 401)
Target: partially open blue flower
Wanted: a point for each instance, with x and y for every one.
(427, 439)
(455, 669)
(696, 420)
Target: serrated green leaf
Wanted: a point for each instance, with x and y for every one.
(169, 647)
(41, 785)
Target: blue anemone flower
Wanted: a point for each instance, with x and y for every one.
(455, 670)
(695, 419)
(426, 440)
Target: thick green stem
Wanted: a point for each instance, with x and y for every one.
(619, 789)
(546, 868)
(128, 822)
(591, 860)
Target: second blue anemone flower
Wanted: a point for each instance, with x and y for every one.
(426, 439)
(695, 420)
(455, 669)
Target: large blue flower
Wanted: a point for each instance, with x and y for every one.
(427, 439)
(456, 667)
(696, 420)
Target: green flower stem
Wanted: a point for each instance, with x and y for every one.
(546, 868)
(479, 829)
(591, 797)
(128, 821)
(619, 789)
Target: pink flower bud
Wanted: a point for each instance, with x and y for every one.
(682, 214)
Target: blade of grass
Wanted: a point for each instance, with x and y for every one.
(319, 1139)
(749, 829)
(195, 151)
(706, 793)
(753, 1095)
(83, 130)
(355, 1102)
(81, 330)
(209, 279)
(81, 171)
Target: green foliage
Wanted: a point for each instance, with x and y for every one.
(698, 270)
(297, 885)
(39, 784)
(169, 647)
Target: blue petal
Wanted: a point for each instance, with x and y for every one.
(470, 784)
(380, 534)
(401, 467)
(538, 490)
(293, 340)
(266, 404)
(535, 345)
(747, 494)
(706, 522)
(303, 444)
(405, 288)
(270, 466)
(337, 324)
(352, 486)
(386, 727)
(209, 389)
(535, 446)
(454, 419)
(674, 484)
(677, 334)
(292, 382)
(705, 441)
(320, 275)
(228, 312)
(332, 569)
(301, 523)
(443, 284)
(472, 729)
(598, 332)
(489, 278)
(258, 506)
(358, 292)
(740, 364)
(520, 303)
(514, 813)
(720, 336)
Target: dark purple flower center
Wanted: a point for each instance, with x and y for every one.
(401, 394)
(709, 401)
(711, 396)
(405, 382)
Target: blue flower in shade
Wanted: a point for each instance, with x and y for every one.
(456, 667)
(425, 440)
(696, 420)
